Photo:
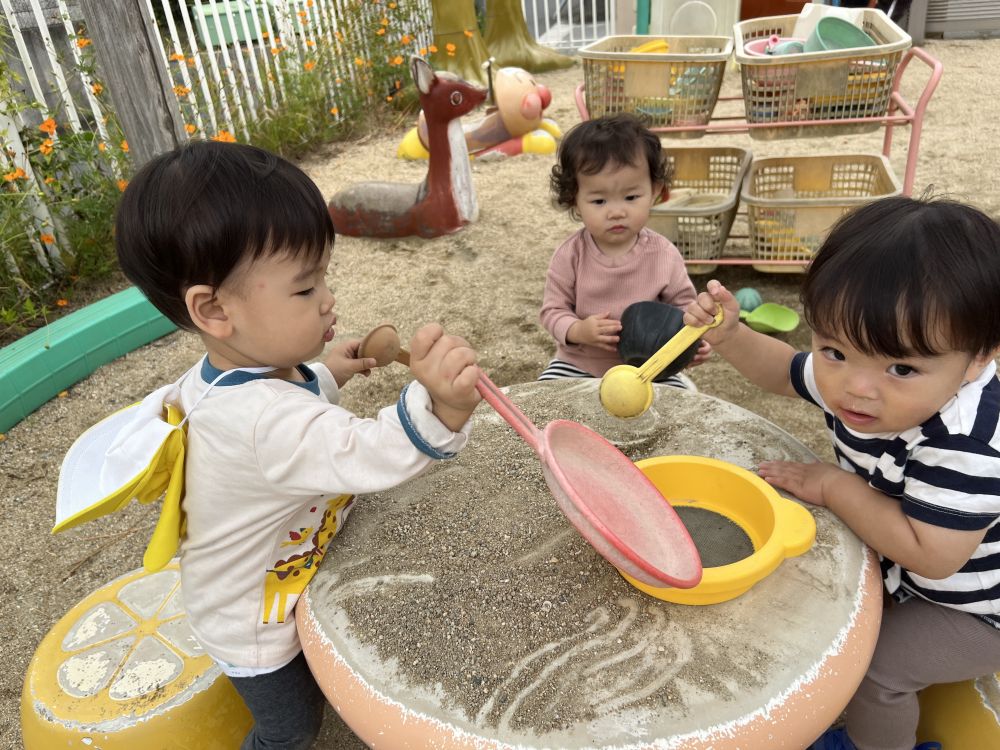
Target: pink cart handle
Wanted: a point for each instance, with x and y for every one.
(506, 409)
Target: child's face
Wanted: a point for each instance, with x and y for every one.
(614, 204)
(281, 311)
(876, 394)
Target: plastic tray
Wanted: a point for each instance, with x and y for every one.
(792, 202)
(677, 87)
(810, 86)
(705, 194)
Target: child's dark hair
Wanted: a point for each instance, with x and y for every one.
(589, 146)
(191, 215)
(902, 277)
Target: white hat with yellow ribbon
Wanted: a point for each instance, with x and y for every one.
(136, 453)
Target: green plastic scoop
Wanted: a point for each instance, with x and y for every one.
(770, 317)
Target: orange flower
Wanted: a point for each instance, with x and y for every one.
(309, 3)
(467, 33)
(102, 147)
(423, 51)
(340, 37)
(49, 180)
(397, 60)
(97, 89)
(17, 174)
(380, 32)
(189, 128)
(264, 34)
(124, 146)
(384, 21)
(302, 14)
(191, 62)
(224, 136)
(182, 90)
(46, 147)
(309, 64)
(310, 43)
(49, 126)
(405, 39)
(388, 98)
(334, 111)
(433, 48)
(122, 184)
(392, 5)
(62, 303)
(48, 239)
(359, 62)
(176, 57)
(82, 42)
(450, 47)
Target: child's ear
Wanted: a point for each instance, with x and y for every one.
(661, 193)
(979, 362)
(206, 312)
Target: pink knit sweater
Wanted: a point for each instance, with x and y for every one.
(583, 281)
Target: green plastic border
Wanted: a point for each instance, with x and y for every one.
(38, 366)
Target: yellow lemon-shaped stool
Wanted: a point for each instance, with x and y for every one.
(122, 670)
(962, 714)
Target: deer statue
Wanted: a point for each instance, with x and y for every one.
(445, 201)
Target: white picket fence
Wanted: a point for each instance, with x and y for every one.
(229, 62)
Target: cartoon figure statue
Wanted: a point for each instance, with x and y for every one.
(445, 201)
(513, 125)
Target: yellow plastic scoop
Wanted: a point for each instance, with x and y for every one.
(627, 391)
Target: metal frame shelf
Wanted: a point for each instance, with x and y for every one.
(899, 113)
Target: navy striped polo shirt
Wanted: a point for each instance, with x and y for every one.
(944, 472)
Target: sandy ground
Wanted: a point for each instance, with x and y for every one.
(484, 283)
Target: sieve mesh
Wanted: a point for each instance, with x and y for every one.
(628, 519)
(720, 541)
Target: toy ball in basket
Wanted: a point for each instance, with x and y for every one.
(668, 81)
(844, 71)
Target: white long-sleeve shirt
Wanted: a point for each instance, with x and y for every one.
(270, 472)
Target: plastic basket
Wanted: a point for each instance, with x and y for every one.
(792, 202)
(705, 193)
(673, 88)
(831, 85)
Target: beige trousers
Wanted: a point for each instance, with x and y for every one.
(919, 644)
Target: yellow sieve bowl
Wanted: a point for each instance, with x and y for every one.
(777, 527)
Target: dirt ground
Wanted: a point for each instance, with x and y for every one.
(484, 283)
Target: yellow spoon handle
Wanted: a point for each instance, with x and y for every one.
(667, 353)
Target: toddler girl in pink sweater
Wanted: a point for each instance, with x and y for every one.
(608, 174)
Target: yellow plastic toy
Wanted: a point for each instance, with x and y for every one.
(961, 714)
(777, 527)
(122, 670)
(515, 124)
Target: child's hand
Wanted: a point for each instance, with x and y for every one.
(702, 312)
(600, 330)
(702, 354)
(343, 363)
(446, 366)
(806, 481)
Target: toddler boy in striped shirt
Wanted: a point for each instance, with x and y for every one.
(903, 299)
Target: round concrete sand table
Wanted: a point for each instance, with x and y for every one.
(462, 610)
